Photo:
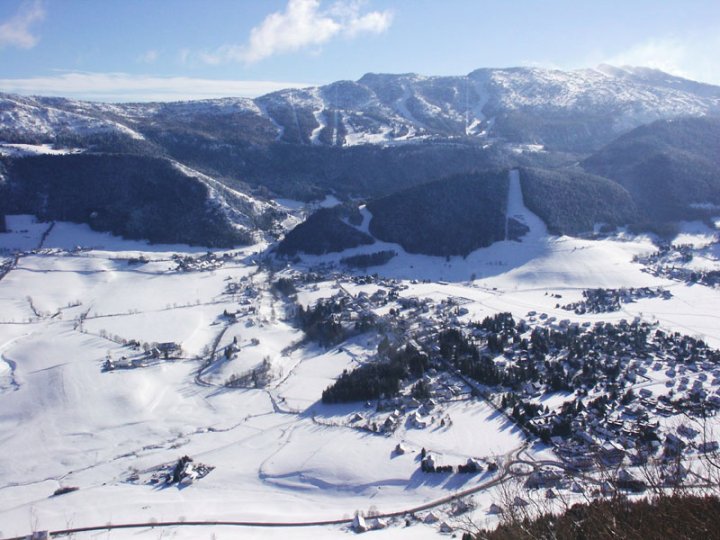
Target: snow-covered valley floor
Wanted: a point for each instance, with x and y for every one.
(279, 454)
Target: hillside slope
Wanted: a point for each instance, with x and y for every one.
(133, 196)
(447, 217)
(572, 202)
(671, 168)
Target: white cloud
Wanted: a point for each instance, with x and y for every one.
(16, 31)
(148, 57)
(122, 87)
(375, 22)
(303, 24)
(692, 57)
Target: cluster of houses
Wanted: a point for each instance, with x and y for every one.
(638, 374)
(668, 254)
(667, 375)
(670, 262)
(429, 464)
(182, 473)
(154, 352)
(617, 421)
(433, 517)
(709, 278)
(609, 300)
(203, 263)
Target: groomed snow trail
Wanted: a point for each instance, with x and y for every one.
(517, 210)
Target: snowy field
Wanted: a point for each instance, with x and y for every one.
(279, 454)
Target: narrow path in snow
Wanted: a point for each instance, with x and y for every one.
(45, 235)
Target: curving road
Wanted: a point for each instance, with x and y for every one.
(504, 475)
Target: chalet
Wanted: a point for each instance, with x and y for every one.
(674, 473)
(687, 431)
(473, 465)
(576, 487)
(533, 389)
(358, 524)
(231, 349)
(664, 410)
(612, 453)
(431, 517)
(626, 480)
(390, 422)
(495, 509)
(419, 421)
(411, 403)
(673, 444)
(542, 479)
(581, 462)
(428, 463)
(428, 406)
(167, 348)
(708, 446)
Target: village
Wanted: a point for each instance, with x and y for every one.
(448, 386)
(598, 393)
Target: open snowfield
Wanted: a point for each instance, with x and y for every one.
(279, 454)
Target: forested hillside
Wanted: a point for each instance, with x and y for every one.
(133, 196)
(671, 168)
(572, 202)
(448, 217)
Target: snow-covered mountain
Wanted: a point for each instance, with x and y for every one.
(567, 110)
(369, 138)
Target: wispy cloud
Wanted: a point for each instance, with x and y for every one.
(303, 24)
(148, 57)
(16, 31)
(122, 87)
(693, 57)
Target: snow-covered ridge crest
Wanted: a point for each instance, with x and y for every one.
(380, 108)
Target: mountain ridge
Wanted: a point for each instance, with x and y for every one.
(380, 135)
(385, 109)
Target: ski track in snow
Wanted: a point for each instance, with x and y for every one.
(517, 210)
(319, 118)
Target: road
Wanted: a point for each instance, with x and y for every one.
(504, 474)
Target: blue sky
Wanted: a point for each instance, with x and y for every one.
(119, 50)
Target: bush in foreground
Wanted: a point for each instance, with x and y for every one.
(676, 517)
